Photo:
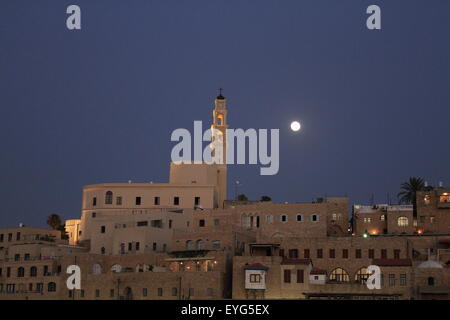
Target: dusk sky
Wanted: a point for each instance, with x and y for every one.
(99, 104)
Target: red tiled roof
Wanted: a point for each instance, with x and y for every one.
(318, 271)
(255, 266)
(392, 262)
(295, 261)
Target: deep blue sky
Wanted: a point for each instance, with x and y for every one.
(99, 105)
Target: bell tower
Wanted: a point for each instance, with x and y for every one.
(220, 124)
(219, 129)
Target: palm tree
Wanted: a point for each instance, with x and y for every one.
(409, 193)
(54, 221)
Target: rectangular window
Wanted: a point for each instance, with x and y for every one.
(97, 293)
(392, 279)
(130, 246)
(332, 254)
(138, 245)
(216, 244)
(300, 276)
(344, 253)
(103, 229)
(371, 253)
(94, 201)
(27, 257)
(201, 223)
(191, 292)
(306, 253)
(154, 246)
(157, 201)
(119, 201)
(293, 253)
(18, 236)
(142, 223)
(403, 279)
(9, 236)
(160, 292)
(319, 253)
(176, 201)
(287, 276)
(197, 201)
(144, 292)
(8, 272)
(1, 237)
(138, 201)
(383, 254)
(174, 292)
(170, 224)
(396, 254)
(81, 293)
(255, 278)
(358, 253)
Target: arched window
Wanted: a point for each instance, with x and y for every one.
(108, 197)
(339, 275)
(103, 250)
(96, 269)
(51, 287)
(33, 272)
(402, 221)
(189, 245)
(430, 281)
(21, 272)
(362, 275)
(200, 245)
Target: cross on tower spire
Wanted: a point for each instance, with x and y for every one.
(220, 96)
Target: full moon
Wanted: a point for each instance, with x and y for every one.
(295, 126)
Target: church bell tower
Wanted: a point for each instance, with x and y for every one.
(220, 126)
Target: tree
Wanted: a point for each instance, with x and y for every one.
(54, 221)
(266, 198)
(409, 193)
(242, 197)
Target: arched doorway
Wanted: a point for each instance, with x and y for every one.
(128, 294)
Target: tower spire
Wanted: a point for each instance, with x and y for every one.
(220, 96)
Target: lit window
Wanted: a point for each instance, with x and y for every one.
(427, 199)
(362, 275)
(339, 275)
(445, 197)
(382, 217)
(255, 278)
(402, 221)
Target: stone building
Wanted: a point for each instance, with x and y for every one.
(184, 240)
